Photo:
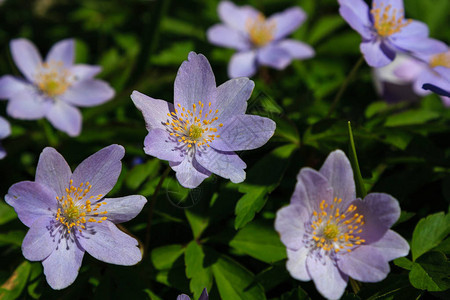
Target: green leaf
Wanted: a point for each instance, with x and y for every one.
(259, 241)
(198, 223)
(360, 188)
(324, 27)
(14, 237)
(429, 232)
(164, 257)
(431, 272)
(13, 287)
(34, 280)
(7, 213)
(140, 173)
(234, 281)
(169, 265)
(249, 205)
(404, 263)
(411, 117)
(200, 276)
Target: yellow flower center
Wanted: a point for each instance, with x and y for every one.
(73, 210)
(386, 23)
(260, 30)
(193, 127)
(52, 78)
(333, 230)
(441, 59)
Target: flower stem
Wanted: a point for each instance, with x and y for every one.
(152, 206)
(355, 285)
(344, 86)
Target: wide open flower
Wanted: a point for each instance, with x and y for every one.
(385, 32)
(5, 130)
(67, 214)
(199, 133)
(330, 235)
(259, 41)
(203, 296)
(52, 88)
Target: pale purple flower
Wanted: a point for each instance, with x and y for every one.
(440, 90)
(67, 214)
(199, 133)
(5, 130)
(331, 236)
(203, 296)
(52, 88)
(259, 41)
(385, 32)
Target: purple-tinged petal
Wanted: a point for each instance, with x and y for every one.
(28, 104)
(356, 13)
(312, 187)
(338, 171)
(415, 29)
(63, 51)
(31, 200)
(244, 132)
(5, 128)
(65, 117)
(204, 295)
(391, 246)
(2, 152)
(231, 98)
(290, 224)
(123, 209)
(26, 56)
(395, 4)
(329, 281)
(296, 263)
(154, 110)
(419, 46)
(274, 56)
(183, 297)
(84, 72)
(364, 264)
(62, 265)
(194, 82)
(443, 71)
(375, 55)
(406, 68)
(88, 93)
(101, 170)
(427, 75)
(287, 21)
(234, 16)
(53, 171)
(160, 144)
(189, 172)
(296, 49)
(9, 85)
(39, 243)
(107, 243)
(222, 35)
(225, 164)
(242, 64)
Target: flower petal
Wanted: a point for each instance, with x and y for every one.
(26, 56)
(296, 49)
(65, 117)
(87, 93)
(274, 56)
(244, 132)
(183, 297)
(296, 263)
(5, 128)
(189, 172)
(84, 72)
(427, 75)
(123, 209)
(222, 35)
(375, 54)
(204, 295)
(364, 264)
(31, 200)
(231, 98)
(53, 171)
(28, 104)
(329, 281)
(107, 243)
(287, 21)
(391, 246)
(338, 171)
(419, 46)
(225, 164)
(242, 64)
(61, 267)
(154, 110)
(9, 85)
(160, 144)
(395, 4)
(312, 187)
(63, 51)
(356, 14)
(290, 224)
(39, 243)
(236, 16)
(194, 82)
(101, 170)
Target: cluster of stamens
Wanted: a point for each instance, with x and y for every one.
(52, 78)
(335, 231)
(387, 24)
(441, 59)
(73, 213)
(260, 30)
(194, 127)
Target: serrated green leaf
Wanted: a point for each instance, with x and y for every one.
(200, 277)
(249, 205)
(13, 287)
(404, 263)
(198, 223)
(411, 117)
(164, 257)
(429, 232)
(7, 213)
(431, 272)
